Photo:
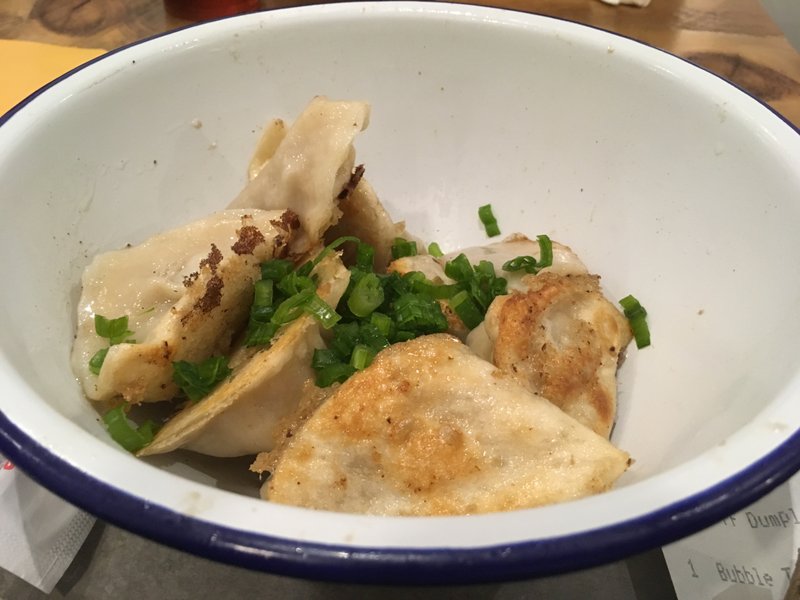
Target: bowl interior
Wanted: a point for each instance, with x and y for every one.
(668, 182)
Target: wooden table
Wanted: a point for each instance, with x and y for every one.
(734, 38)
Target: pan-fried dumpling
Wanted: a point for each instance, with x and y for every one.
(498, 253)
(431, 429)
(562, 339)
(311, 164)
(244, 414)
(186, 293)
(364, 217)
(564, 259)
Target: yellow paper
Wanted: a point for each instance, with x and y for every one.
(27, 66)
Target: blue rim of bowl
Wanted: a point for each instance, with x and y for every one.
(411, 566)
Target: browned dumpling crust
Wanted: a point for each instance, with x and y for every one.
(431, 429)
(562, 339)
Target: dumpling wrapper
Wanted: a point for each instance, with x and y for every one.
(364, 217)
(431, 429)
(311, 164)
(498, 253)
(562, 339)
(245, 413)
(186, 293)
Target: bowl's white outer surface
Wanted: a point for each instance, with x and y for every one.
(669, 182)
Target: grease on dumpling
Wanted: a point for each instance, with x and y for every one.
(186, 293)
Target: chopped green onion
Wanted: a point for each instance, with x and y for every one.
(321, 311)
(404, 336)
(382, 322)
(260, 334)
(466, 309)
(292, 307)
(545, 251)
(528, 263)
(521, 263)
(489, 222)
(294, 283)
(434, 250)
(197, 380)
(126, 435)
(324, 357)
(419, 313)
(96, 362)
(459, 269)
(345, 338)
(401, 248)
(116, 330)
(445, 290)
(276, 269)
(263, 293)
(365, 257)
(362, 357)
(637, 317)
(336, 373)
(366, 295)
(332, 246)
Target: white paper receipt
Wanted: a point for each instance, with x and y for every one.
(749, 555)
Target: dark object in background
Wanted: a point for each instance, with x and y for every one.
(201, 10)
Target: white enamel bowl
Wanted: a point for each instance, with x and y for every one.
(671, 183)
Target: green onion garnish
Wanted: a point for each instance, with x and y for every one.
(383, 323)
(420, 313)
(434, 250)
(637, 317)
(366, 295)
(489, 222)
(291, 308)
(459, 269)
(276, 269)
(197, 380)
(260, 334)
(401, 248)
(126, 435)
(528, 263)
(332, 246)
(96, 362)
(365, 257)
(321, 311)
(545, 251)
(362, 357)
(116, 330)
(466, 309)
(336, 373)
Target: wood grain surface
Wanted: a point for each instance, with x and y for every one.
(733, 38)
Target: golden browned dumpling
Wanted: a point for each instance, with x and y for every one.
(431, 429)
(305, 167)
(245, 413)
(562, 339)
(186, 293)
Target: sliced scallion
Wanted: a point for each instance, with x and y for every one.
(489, 222)
(637, 317)
(96, 362)
(434, 250)
(366, 295)
(362, 357)
(197, 380)
(124, 433)
(402, 248)
(466, 309)
(321, 311)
